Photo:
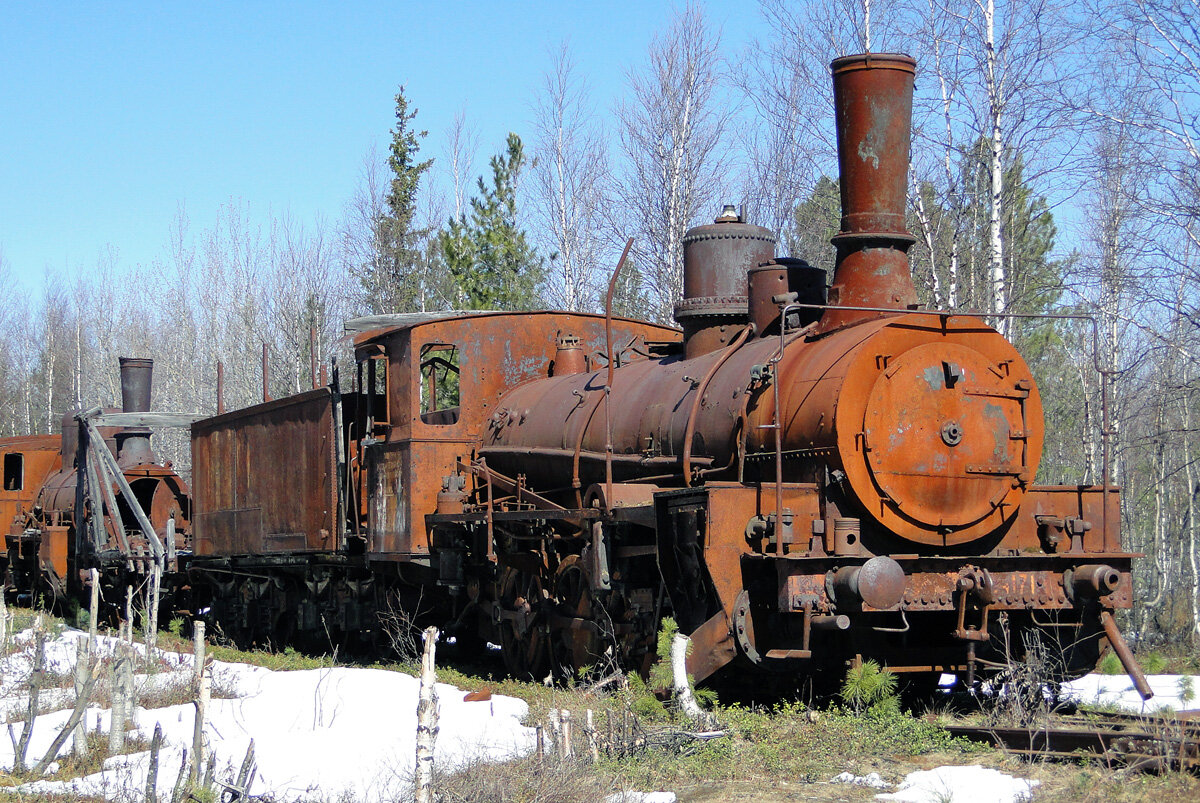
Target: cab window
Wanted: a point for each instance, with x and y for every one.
(373, 383)
(439, 384)
(14, 472)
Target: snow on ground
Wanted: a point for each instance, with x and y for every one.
(1176, 692)
(975, 784)
(318, 734)
(328, 734)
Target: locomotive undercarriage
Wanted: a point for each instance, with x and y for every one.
(556, 603)
(314, 601)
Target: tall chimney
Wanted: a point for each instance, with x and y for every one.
(873, 106)
(133, 443)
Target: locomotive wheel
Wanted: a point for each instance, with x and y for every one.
(524, 645)
(576, 629)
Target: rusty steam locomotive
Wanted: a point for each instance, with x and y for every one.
(103, 473)
(803, 477)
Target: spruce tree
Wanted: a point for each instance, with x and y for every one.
(395, 280)
(485, 251)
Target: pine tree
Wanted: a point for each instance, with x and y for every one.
(395, 279)
(485, 251)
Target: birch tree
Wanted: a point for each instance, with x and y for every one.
(671, 131)
(568, 176)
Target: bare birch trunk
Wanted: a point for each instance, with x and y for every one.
(127, 635)
(152, 772)
(683, 689)
(93, 607)
(116, 726)
(593, 742)
(201, 702)
(83, 665)
(996, 165)
(198, 650)
(427, 719)
(36, 677)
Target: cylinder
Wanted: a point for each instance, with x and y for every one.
(1095, 579)
(764, 284)
(568, 357)
(133, 443)
(845, 536)
(715, 261)
(136, 373)
(873, 106)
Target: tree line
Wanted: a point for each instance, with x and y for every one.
(1056, 172)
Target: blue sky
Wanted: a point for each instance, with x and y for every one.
(113, 116)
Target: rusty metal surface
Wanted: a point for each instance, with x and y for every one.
(873, 108)
(716, 258)
(1153, 743)
(264, 478)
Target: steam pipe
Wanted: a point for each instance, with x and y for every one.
(1125, 655)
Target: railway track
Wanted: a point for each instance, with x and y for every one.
(1133, 741)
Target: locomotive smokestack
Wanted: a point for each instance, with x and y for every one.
(133, 443)
(873, 106)
(136, 373)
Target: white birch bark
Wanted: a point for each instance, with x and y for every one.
(427, 719)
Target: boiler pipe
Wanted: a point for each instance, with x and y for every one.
(1127, 660)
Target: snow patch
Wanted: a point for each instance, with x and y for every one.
(973, 784)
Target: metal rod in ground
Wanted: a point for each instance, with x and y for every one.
(152, 772)
(427, 719)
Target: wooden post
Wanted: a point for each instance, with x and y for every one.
(564, 743)
(152, 772)
(427, 718)
(245, 776)
(540, 733)
(36, 678)
(202, 699)
(128, 634)
(116, 726)
(181, 779)
(83, 663)
(197, 650)
(593, 742)
(72, 726)
(266, 395)
(153, 585)
(93, 607)
(220, 387)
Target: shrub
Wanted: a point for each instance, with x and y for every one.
(868, 685)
